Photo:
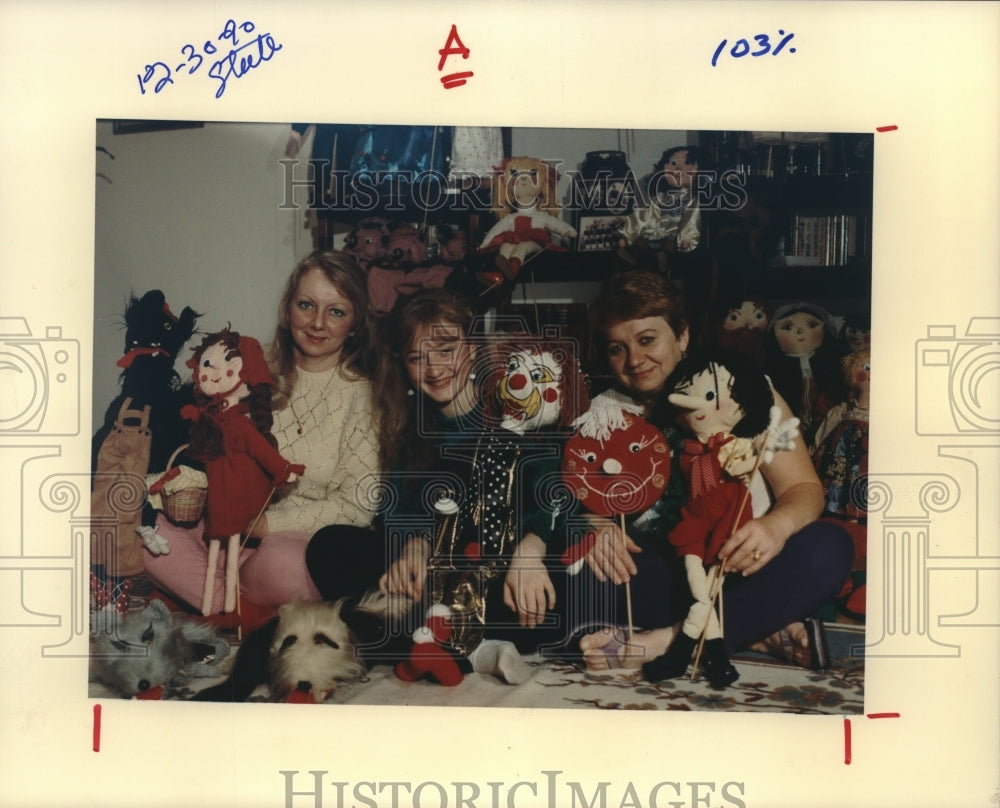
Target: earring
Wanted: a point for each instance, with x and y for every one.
(410, 392)
(472, 375)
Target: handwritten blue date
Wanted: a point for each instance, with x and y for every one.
(244, 54)
(762, 47)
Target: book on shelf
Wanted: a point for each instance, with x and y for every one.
(827, 240)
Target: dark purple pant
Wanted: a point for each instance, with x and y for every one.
(810, 569)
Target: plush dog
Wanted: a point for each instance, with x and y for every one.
(137, 654)
(309, 650)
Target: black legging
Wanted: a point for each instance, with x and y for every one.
(810, 569)
(347, 561)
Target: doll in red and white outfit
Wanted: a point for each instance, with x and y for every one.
(725, 402)
(525, 203)
(231, 435)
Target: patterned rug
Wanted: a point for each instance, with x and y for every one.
(765, 685)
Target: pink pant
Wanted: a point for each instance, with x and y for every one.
(270, 575)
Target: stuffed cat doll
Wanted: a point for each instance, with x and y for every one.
(142, 426)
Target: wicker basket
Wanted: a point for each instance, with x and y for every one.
(186, 504)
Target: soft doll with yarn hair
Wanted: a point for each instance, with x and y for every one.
(525, 204)
(231, 435)
(724, 403)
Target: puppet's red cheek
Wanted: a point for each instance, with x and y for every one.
(550, 395)
(518, 381)
(204, 377)
(229, 373)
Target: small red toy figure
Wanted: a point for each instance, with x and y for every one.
(242, 465)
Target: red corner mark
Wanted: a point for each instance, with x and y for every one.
(847, 732)
(889, 128)
(97, 727)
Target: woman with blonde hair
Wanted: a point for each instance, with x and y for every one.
(322, 406)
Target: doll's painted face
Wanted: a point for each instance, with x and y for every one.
(706, 402)
(529, 392)
(749, 316)
(524, 187)
(624, 474)
(439, 365)
(678, 172)
(858, 373)
(857, 338)
(218, 373)
(799, 334)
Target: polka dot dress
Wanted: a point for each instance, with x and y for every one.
(487, 522)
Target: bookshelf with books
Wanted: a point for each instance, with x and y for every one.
(812, 193)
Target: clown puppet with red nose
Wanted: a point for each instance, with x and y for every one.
(725, 404)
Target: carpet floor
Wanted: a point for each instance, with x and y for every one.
(764, 685)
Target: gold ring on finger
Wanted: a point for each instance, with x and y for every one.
(757, 554)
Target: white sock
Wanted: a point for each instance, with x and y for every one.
(501, 659)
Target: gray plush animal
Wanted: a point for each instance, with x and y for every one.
(139, 653)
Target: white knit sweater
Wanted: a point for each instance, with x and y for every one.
(338, 446)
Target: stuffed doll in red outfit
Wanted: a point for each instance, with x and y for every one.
(525, 203)
(430, 657)
(231, 435)
(725, 403)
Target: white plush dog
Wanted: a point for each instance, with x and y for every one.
(309, 650)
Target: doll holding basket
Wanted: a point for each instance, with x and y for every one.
(230, 434)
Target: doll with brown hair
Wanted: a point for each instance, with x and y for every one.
(803, 361)
(231, 435)
(526, 207)
(743, 326)
(672, 212)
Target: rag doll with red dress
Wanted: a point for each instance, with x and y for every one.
(526, 207)
(231, 435)
(725, 403)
